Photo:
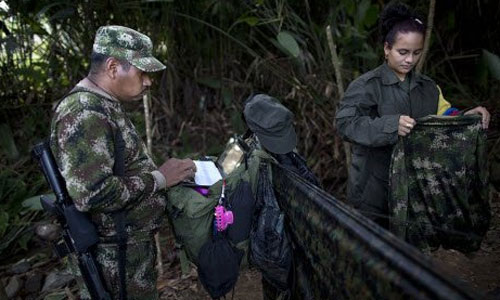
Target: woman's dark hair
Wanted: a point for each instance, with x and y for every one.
(398, 17)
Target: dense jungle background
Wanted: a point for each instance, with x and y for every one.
(219, 52)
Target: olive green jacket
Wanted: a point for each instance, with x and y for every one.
(368, 117)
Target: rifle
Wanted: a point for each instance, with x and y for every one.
(79, 234)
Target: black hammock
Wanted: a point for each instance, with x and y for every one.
(339, 254)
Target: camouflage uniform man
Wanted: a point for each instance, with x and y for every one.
(105, 163)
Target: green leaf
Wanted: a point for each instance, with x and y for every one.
(451, 20)
(46, 8)
(24, 240)
(361, 12)
(366, 55)
(210, 82)
(237, 122)
(251, 20)
(4, 222)
(34, 202)
(227, 96)
(56, 296)
(481, 75)
(288, 42)
(64, 13)
(350, 6)
(493, 63)
(7, 143)
(371, 16)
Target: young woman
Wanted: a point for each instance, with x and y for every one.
(383, 104)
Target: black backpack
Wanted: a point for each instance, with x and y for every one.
(270, 248)
(219, 260)
(219, 266)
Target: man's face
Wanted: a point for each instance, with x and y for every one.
(131, 84)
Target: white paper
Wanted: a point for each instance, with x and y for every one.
(206, 173)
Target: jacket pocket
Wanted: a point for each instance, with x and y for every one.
(345, 112)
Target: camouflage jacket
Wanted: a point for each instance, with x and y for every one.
(438, 184)
(83, 133)
(368, 116)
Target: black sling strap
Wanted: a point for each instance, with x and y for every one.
(119, 216)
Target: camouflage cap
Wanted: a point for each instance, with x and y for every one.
(271, 122)
(125, 43)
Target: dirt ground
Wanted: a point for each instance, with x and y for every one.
(480, 270)
(248, 287)
(174, 285)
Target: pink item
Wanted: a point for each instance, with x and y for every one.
(223, 218)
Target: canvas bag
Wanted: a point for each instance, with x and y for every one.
(191, 214)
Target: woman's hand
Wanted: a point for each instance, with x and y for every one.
(405, 125)
(480, 111)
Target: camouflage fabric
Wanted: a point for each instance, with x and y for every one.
(438, 184)
(140, 269)
(83, 133)
(128, 44)
(340, 254)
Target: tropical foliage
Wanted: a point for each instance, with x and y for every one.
(218, 53)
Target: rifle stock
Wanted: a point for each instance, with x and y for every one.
(79, 234)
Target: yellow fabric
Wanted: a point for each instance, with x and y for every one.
(443, 105)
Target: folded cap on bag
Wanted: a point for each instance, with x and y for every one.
(271, 122)
(128, 44)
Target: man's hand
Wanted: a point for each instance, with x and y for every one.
(405, 125)
(176, 170)
(483, 112)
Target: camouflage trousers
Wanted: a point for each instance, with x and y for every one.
(140, 269)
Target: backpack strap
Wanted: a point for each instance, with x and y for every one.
(119, 219)
(119, 216)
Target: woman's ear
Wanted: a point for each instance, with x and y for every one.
(387, 49)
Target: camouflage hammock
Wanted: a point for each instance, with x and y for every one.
(438, 184)
(339, 254)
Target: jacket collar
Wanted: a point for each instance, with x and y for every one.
(389, 77)
(89, 85)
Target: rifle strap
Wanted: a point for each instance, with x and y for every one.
(119, 219)
(119, 216)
